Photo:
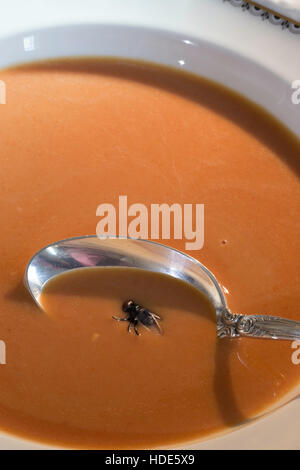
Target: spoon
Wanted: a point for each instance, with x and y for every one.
(89, 251)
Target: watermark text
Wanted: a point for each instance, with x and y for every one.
(161, 221)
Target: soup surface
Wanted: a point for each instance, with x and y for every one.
(132, 389)
(76, 134)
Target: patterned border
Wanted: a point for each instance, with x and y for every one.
(264, 14)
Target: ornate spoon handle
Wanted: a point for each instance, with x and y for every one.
(258, 326)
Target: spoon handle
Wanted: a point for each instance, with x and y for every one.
(257, 326)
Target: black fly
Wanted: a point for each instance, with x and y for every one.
(138, 314)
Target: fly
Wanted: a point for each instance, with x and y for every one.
(137, 314)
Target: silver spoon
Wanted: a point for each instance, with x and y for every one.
(89, 251)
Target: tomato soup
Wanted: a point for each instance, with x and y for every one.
(131, 383)
(76, 134)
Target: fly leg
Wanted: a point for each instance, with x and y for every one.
(120, 319)
(135, 323)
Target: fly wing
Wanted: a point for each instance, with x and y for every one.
(155, 324)
(149, 320)
(158, 327)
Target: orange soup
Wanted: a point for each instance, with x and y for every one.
(76, 134)
(133, 390)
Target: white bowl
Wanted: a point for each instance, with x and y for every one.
(209, 38)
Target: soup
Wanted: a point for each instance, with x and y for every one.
(78, 133)
(130, 384)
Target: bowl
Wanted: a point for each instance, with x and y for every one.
(211, 39)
